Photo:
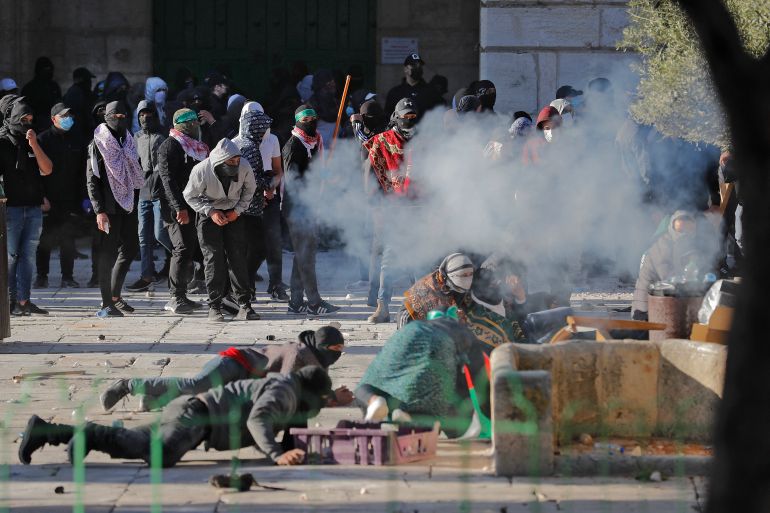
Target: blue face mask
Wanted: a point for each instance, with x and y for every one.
(349, 111)
(66, 123)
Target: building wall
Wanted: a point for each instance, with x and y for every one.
(100, 35)
(448, 33)
(531, 48)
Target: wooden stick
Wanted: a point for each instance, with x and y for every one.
(32, 375)
(339, 117)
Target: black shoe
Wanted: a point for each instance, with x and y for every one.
(69, 283)
(258, 277)
(297, 309)
(16, 309)
(33, 438)
(140, 285)
(279, 295)
(179, 306)
(229, 305)
(215, 314)
(93, 283)
(194, 304)
(30, 308)
(124, 307)
(114, 393)
(109, 311)
(41, 282)
(246, 313)
(322, 308)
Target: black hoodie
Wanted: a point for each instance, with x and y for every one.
(18, 165)
(42, 93)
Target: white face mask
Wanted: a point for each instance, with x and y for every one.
(160, 97)
(267, 135)
(461, 283)
(548, 133)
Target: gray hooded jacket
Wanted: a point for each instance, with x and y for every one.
(204, 191)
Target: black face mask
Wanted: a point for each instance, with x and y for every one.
(117, 125)
(148, 123)
(46, 74)
(406, 127)
(415, 73)
(309, 127)
(227, 171)
(374, 123)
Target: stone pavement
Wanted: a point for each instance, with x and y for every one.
(150, 342)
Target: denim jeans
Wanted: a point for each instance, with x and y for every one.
(24, 226)
(151, 229)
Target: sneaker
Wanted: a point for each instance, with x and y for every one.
(113, 394)
(197, 287)
(297, 309)
(69, 283)
(377, 409)
(215, 313)
(279, 295)
(41, 282)
(34, 438)
(93, 283)
(31, 308)
(322, 308)
(193, 304)
(109, 311)
(246, 313)
(140, 285)
(124, 307)
(229, 305)
(178, 306)
(16, 309)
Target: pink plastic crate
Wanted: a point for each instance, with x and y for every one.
(357, 443)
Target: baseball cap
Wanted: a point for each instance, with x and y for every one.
(8, 84)
(405, 106)
(59, 109)
(566, 90)
(81, 73)
(413, 58)
(216, 78)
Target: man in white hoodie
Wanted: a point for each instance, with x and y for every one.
(219, 190)
(155, 92)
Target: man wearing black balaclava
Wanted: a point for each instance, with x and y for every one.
(42, 93)
(114, 177)
(80, 98)
(265, 406)
(486, 93)
(304, 145)
(415, 88)
(23, 162)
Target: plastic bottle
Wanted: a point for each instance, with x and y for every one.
(611, 448)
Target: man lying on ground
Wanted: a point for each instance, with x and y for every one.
(322, 348)
(262, 407)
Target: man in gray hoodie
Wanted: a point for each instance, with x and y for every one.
(219, 190)
(262, 407)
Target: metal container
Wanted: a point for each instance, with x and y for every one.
(677, 313)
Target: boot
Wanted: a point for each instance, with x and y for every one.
(38, 433)
(115, 393)
(381, 315)
(118, 442)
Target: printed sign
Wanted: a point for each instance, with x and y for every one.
(396, 49)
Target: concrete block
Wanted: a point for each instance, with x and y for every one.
(560, 27)
(515, 77)
(129, 54)
(690, 384)
(577, 406)
(522, 426)
(614, 20)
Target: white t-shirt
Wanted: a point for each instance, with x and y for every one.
(269, 148)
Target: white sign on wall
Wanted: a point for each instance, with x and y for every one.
(396, 49)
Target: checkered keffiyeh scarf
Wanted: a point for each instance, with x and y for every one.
(124, 173)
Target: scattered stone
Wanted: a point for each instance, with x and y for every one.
(586, 439)
(162, 361)
(101, 337)
(303, 497)
(270, 337)
(364, 491)
(58, 490)
(656, 477)
(636, 451)
(349, 297)
(375, 336)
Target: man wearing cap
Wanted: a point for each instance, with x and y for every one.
(177, 156)
(80, 98)
(8, 86)
(23, 163)
(219, 86)
(390, 165)
(64, 191)
(262, 408)
(415, 88)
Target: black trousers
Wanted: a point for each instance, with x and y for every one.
(271, 228)
(185, 241)
(302, 231)
(58, 232)
(255, 248)
(117, 250)
(224, 252)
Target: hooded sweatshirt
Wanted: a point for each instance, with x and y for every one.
(151, 86)
(148, 140)
(18, 165)
(204, 191)
(42, 93)
(252, 129)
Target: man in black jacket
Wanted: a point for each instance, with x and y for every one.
(80, 98)
(176, 157)
(42, 93)
(64, 145)
(263, 407)
(114, 177)
(415, 88)
(302, 146)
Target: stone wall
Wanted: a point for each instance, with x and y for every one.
(529, 49)
(100, 35)
(448, 33)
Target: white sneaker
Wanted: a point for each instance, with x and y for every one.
(377, 411)
(400, 416)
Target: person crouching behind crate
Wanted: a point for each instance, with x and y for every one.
(419, 373)
(322, 347)
(262, 407)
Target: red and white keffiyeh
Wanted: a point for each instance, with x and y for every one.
(310, 142)
(192, 147)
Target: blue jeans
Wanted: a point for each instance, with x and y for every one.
(151, 229)
(24, 226)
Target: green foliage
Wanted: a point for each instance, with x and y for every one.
(675, 92)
